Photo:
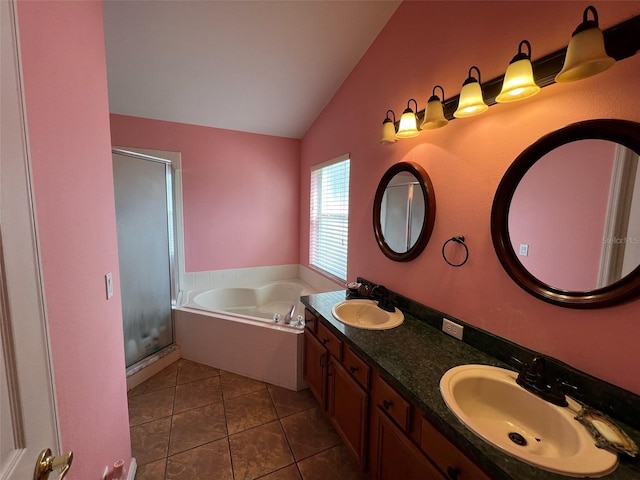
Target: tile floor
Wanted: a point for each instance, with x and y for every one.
(192, 422)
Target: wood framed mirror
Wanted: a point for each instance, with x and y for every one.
(565, 220)
(404, 211)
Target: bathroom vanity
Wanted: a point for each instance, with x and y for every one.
(380, 390)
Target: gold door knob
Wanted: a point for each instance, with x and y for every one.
(47, 463)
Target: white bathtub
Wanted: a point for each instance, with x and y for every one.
(233, 329)
(255, 303)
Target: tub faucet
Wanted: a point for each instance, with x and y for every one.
(289, 316)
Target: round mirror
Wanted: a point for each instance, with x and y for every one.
(404, 211)
(565, 220)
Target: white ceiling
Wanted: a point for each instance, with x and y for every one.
(262, 66)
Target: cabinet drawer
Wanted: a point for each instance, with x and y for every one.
(357, 367)
(392, 403)
(446, 456)
(330, 341)
(310, 321)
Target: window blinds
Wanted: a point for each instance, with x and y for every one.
(330, 217)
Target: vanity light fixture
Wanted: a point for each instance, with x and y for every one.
(434, 115)
(579, 60)
(408, 122)
(389, 129)
(586, 55)
(471, 102)
(518, 80)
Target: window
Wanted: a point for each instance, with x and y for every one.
(328, 238)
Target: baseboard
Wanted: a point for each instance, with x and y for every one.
(133, 468)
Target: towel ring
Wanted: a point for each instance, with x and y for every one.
(458, 239)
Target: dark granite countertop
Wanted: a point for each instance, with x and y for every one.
(413, 357)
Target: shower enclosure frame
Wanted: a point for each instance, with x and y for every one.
(172, 254)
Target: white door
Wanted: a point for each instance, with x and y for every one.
(27, 404)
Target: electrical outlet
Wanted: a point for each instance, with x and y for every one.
(452, 328)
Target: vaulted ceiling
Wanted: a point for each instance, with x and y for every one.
(261, 66)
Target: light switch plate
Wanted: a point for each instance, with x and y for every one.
(108, 280)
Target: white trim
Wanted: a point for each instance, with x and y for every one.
(617, 216)
(340, 158)
(133, 468)
(42, 298)
(142, 156)
(26, 292)
(319, 281)
(329, 216)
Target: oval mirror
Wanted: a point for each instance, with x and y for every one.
(404, 211)
(565, 220)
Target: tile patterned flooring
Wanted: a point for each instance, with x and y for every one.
(192, 422)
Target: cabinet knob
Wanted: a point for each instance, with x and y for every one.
(353, 369)
(387, 404)
(323, 360)
(453, 472)
(325, 341)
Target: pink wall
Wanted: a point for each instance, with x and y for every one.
(559, 211)
(65, 86)
(240, 191)
(466, 161)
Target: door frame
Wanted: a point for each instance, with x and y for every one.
(624, 177)
(23, 318)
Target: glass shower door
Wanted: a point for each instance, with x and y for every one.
(144, 222)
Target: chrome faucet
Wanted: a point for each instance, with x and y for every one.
(289, 316)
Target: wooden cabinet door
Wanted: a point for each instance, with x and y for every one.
(315, 363)
(348, 407)
(394, 456)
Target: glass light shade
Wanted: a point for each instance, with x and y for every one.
(471, 102)
(388, 132)
(585, 57)
(408, 125)
(518, 82)
(434, 116)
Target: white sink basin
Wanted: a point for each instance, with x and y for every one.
(490, 403)
(362, 313)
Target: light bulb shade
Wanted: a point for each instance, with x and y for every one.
(471, 102)
(585, 57)
(434, 116)
(408, 125)
(388, 132)
(586, 54)
(518, 82)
